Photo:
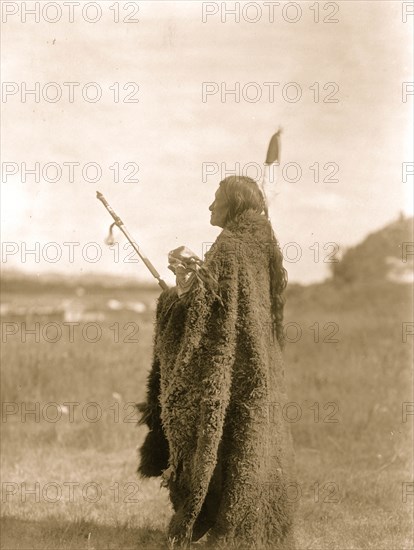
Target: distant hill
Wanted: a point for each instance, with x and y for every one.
(385, 255)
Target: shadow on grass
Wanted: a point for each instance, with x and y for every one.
(57, 534)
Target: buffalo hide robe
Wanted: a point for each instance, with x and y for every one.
(214, 397)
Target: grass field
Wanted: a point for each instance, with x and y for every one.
(68, 469)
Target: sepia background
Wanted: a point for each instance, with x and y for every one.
(171, 132)
(342, 214)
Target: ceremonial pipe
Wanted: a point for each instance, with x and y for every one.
(119, 223)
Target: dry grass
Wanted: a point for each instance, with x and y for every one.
(350, 473)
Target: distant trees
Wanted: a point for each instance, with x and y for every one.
(378, 253)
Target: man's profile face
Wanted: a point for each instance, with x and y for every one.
(219, 208)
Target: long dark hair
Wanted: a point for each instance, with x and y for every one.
(242, 194)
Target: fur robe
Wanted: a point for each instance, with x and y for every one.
(214, 398)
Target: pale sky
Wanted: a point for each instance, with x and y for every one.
(171, 132)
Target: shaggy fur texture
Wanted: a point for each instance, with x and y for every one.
(212, 395)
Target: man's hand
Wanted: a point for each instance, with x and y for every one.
(184, 263)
